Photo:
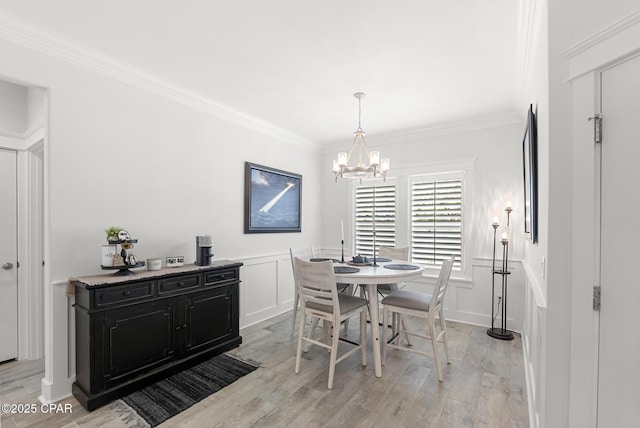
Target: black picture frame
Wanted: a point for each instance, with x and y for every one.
(530, 169)
(272, 200)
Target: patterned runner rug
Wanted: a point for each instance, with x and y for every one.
(166, 398)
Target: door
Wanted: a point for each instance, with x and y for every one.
(8, 256)
(619, 347)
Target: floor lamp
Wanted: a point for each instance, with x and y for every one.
(503, 273)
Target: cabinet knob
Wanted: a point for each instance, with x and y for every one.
(184, 326)
(178, 328)
(180, 284)
(127, 293)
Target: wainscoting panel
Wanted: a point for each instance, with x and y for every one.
(534, 349)
(266, 288)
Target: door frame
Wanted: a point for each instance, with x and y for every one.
(586, 63)
(30, 148)
(31, 246)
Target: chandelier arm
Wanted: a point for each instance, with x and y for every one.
(353, 145)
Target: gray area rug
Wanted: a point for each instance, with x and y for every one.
(166, 398)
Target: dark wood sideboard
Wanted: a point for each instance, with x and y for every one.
(134, 330)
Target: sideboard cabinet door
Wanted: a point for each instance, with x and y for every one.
(137, 339)
(210, 318)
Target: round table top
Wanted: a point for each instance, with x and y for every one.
(379, 274)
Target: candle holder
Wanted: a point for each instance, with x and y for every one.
(500, 332)
(342, 258)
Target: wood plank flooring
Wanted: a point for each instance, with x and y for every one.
(483, 387)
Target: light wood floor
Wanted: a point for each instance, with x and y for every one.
(483, 387)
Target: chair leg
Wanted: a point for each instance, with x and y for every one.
(334, 354)
(383, 339)
(403, 323)
(299, 351)
(363, 336)
(312, 332)
(445, 336)
(436, 353)
(296, 300)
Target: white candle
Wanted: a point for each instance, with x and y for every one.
(508, 203)
(495, 221)
(505, 237)
(342, 229)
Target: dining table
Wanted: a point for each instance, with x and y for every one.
(385, 271)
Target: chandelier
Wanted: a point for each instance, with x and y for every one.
(361, 170)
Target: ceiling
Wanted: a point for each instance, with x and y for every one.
(296, 63)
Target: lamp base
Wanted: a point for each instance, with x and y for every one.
(500, 333)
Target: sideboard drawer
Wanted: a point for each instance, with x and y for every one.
(222, 276)
(124, 293)
(178, 284)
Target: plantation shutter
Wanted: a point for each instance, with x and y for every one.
(385, 218)
(436, 221)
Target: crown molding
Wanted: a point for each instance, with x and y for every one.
(447, 128)
(606, 47)
(602, 35)
(46, 42)
(529, 26)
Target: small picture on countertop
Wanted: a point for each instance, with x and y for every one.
(175, 261)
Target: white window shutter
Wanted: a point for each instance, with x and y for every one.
(385, 218)
(436, 221)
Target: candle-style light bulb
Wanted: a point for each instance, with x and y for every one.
(504, 236)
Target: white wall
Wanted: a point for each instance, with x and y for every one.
(13, 107)
(559, 322)
(119, 155)
(496, 152)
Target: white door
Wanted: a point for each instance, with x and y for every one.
(619, 353)
(8, 257)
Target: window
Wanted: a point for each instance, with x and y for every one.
(380, 199)
(436, 220)
(425, 211)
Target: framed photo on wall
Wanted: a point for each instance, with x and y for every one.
(530, 168)
(272, 200)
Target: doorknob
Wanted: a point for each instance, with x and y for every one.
(7, 266)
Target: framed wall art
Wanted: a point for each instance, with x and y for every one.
(272, 200)
(530, 168)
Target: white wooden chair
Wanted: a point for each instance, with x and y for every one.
(393, 254)
(405, 302)
(386, 289)
(306, 253)
(319, 299)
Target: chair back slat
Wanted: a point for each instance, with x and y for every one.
(304, 253)
(316, 282)
(441, 285)
(394, 253)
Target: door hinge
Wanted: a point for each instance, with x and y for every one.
(596, 297)
(597, 128)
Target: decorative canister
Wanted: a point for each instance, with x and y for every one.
(154, 264)
(108, 253)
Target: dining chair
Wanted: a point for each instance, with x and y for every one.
(392, 253)
(306, 253)
(319, 299)
(413, 303)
